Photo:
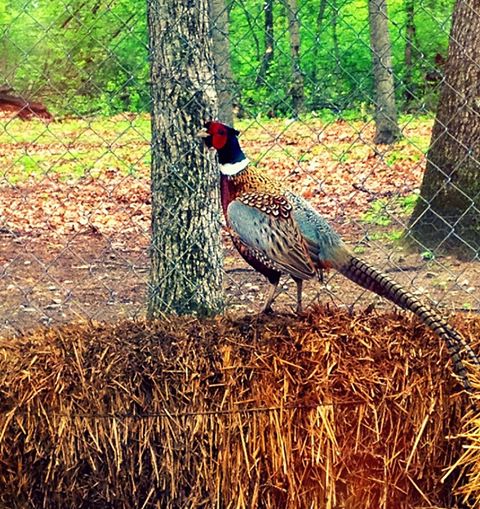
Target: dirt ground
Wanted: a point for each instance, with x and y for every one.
(88, 276)
(75, 217)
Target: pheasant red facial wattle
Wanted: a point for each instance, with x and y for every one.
(223, 138)
(219, 134)
(278, 232)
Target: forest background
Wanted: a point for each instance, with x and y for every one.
(76, 187)
(91, 56)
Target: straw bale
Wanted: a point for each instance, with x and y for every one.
(324, 411)
(469, 462)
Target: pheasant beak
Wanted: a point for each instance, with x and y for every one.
(203, 133)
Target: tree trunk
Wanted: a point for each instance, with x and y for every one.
(269, 42)
(409, 49)
(336, 47)
(296, 88)
(318, 33)
(387, 130)
(24, 108)
(252, 23)
(186, 272)
(221, 52)
(447, 214)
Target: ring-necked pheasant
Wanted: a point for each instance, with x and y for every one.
(278, 232)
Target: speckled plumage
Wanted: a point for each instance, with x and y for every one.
(272, 233)
(255, 188)
(275, 205)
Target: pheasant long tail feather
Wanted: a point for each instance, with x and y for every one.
(371, 279)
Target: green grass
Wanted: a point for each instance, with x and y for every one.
(382, 211)
(88, 130)
(72, 148)
(378, 214)
(399, 155)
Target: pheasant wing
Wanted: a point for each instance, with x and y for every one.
(264, 223)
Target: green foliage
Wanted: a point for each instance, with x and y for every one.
(381, 211)
(90, 56)
(395, 235)
(427, 255)
(81, 56)
(335, 56)
(127, 138)
(407, 204)
(378, 214)
(359, 250)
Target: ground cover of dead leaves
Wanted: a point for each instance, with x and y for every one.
(75, 213)
(83, 176)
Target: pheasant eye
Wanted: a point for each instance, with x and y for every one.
(222, 132)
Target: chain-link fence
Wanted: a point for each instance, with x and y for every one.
(75, 147)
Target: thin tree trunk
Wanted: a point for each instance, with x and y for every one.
(296, 89)
(269, 42)
(186, 271)
(387, 130)
(221, 51)
(410, 36)
(447, 214)
(318, 32)
(336, 47)
(252, 23)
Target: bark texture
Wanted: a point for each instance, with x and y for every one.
(186, 261)
(297, 86)
(221, 51)
(387, 130)
(447, 214)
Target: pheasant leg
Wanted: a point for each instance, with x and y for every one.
(267, 307)
(299, 294)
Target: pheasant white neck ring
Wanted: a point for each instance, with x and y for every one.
(231, 169)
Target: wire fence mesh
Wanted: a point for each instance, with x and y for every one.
(75, 148)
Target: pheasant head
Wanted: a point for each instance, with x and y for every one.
(223, 139)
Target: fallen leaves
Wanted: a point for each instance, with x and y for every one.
(109, 204)
(94, 176)
(75, 213)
